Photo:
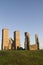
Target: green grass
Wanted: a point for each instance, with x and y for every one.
(19, 57)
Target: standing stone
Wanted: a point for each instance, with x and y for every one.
(16, 39)
(5, 39)
(27, 40)
(37, 41)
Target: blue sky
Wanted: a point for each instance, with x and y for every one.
(22, 15)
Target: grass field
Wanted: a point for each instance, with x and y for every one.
(21, 57)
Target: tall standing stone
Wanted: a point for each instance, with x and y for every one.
(37, 41)
(5, 39)
(16, 39)
(27, 40)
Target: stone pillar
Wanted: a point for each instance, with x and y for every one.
(5, 39)
(37, 41)
(27, 40)
(16, 39)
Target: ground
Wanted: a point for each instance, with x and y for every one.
(21, 57)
